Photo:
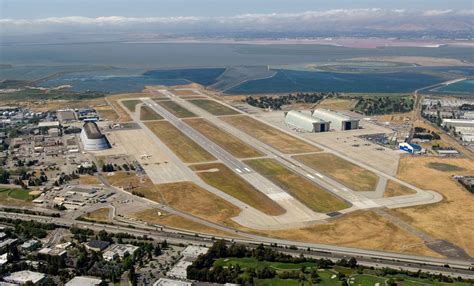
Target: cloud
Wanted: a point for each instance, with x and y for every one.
(336, 19)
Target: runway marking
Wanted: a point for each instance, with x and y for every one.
(319, 175)
(247, 169)
(279, 196)
(310, 176)
(238, 170)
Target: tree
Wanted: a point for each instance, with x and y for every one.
(315, 277)
(157, 250)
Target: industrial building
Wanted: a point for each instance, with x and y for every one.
(337, 120)
(458, 123)
(410, 148)
(84, 281)
(92, 138)
(303, 121)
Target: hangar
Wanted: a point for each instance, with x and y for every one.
(92, 139)
(306, 122)
(338, 120)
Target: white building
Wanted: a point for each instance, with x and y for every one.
(92, 139)
(21, 277)
(458, 122)
(171, 282)
(179, 270)
(194, 251)
(119, 250)
(337, 120)
(83, 281)
(306, 122)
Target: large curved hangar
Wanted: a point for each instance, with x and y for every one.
(92, 139)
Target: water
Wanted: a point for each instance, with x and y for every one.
(302, 81)
(465, 86)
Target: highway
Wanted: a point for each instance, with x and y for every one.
(365, 257)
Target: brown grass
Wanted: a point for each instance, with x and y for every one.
(361, 229)
(113, 101)
(227, 141)
(277, 139)
(100, 215)
(336, 103)
(312, 195)
(89, 180)
(213, 107)
(174, 221)
(394, 189)
(452, 219)
(146, 113)
(107, 113)
(60, 104)
(131, 104)
(184, 92)
(351, 175)
(185, 148)
(229, 182)
(176, 109)
(190, 198)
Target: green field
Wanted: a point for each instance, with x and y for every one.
(15, 196)
(131, 104)
(176, 109)
(146, 114)
(312, 195)
(366, 277)
(213, 107)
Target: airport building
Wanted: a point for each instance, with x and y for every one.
(92, 139)
(410, 148)
(304, 121)
(337, 120)
(458, 122)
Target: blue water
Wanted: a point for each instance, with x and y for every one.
(303, 81)
(465, 86)
(204, 76)
(110, 83)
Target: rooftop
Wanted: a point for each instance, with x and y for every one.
(83, 281)
(98, 244)
(92, 130)
(171, 282)
(22, 277)
(194, 251)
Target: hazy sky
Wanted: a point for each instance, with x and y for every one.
(19, 17)
(28, 9)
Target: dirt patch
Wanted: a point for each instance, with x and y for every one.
(277, 139)
(362, 229)
(89, 180)
(100, 215)
(351, 175)
(337, 103)
(174, 221)
(444, 167)
(451, 219)
(394, 189)
(190, 198)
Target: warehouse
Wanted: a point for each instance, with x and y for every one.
(458, 123)
(337, 120)
(92, 139)
(303, 121)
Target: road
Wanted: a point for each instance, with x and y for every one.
(365, 257)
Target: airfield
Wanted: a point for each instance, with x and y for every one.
(277, 178)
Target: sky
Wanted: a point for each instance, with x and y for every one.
(180, 16)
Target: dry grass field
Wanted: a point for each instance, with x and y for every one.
(174, 221)
(131, 104)
(213, 107)
(312, 195)
(185, 148)
(16, 197)
(351, 175)
(190, 198)
(227, 141)
(107, 112)
(100, 215)
(277, 139)
(113, 101)
(176, 109)
(394, 189)
(361, 229)
(336, 103)
(147, 114)
(60, 104)
(452, 219)
(222, 178)
(88, 180)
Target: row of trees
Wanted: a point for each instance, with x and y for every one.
(278, 101)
